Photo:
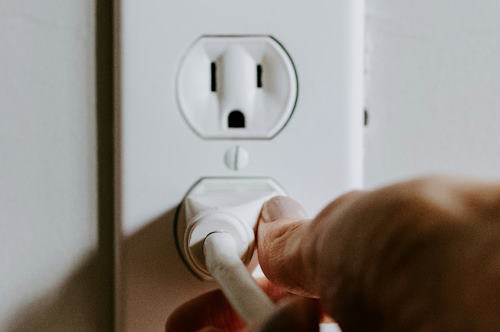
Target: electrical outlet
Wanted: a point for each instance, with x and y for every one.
(173, 130)
(237, 87)
(221, 204)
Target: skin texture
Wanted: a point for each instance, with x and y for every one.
(422, 255)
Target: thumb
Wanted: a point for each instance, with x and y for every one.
(301, 314)
(282, 238)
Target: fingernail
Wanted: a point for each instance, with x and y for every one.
(281, 207)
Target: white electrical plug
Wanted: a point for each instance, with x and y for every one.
(215, 233)
(229, 205)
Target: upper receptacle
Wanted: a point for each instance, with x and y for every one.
(237, 87)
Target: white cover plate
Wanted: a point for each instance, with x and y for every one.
(316, 157)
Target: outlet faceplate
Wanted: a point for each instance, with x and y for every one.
(237, 87)
(317, 155)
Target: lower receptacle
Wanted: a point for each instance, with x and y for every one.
(228, 205)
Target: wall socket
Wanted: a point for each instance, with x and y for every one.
(212, 205)
(237, 87)
(168, 140)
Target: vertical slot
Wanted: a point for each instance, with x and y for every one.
(213, 77)
(259, 76)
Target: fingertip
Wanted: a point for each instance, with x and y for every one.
(282, 207)
(280, 238)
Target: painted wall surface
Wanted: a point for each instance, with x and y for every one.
(432, 95)
(433, 74)
(48, 207)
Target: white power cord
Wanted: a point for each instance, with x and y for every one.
(226, 267)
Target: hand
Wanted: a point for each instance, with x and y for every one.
(422, 255)
(212, 312)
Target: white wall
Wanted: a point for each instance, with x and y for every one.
(432, 92)
(48, 205)
(433, 79)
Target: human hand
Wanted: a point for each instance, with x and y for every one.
(212, 312)
(421, 255)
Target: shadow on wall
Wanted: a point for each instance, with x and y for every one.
(154, 264)
(84, 302)
(157, 279)
(73, 306)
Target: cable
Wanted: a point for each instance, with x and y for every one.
(226, 267)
